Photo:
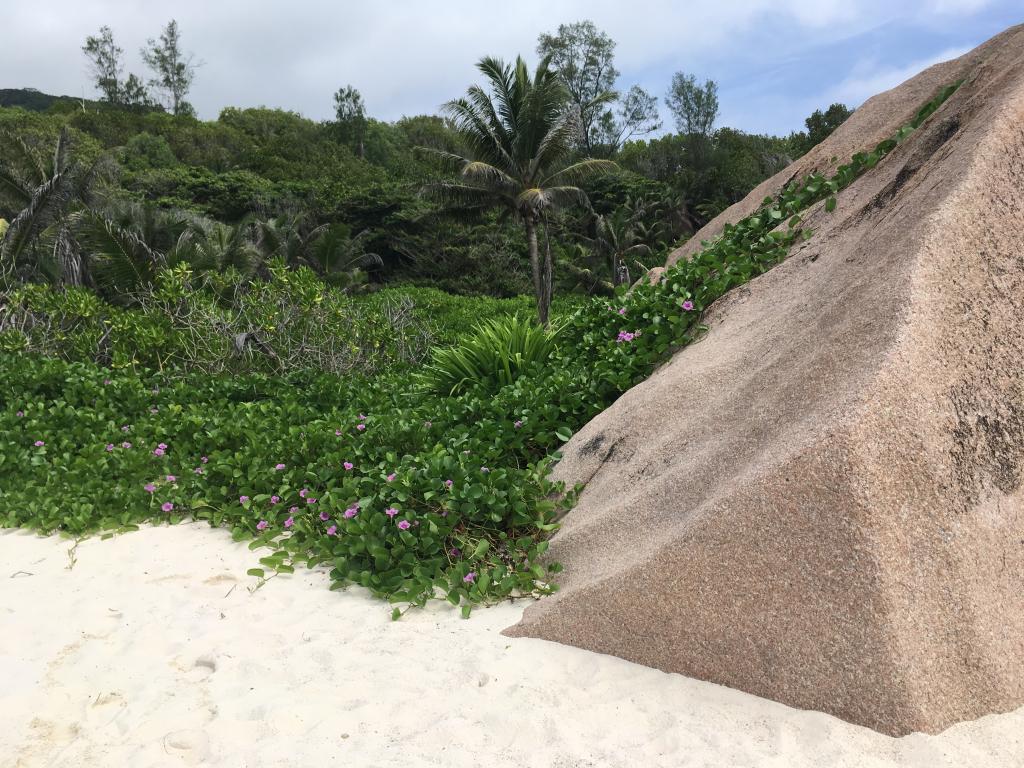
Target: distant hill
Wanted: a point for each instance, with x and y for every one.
(37, 101)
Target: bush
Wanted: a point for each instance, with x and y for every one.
(497, 353)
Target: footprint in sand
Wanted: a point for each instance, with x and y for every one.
(192, 746)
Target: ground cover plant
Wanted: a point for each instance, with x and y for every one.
(408, 492)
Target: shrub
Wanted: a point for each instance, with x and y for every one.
(497, 353)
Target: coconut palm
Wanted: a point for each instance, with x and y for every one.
(518, 143)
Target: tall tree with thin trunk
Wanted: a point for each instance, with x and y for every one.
(518, 140)
(173, 70)
(695, 107)
(105, 62)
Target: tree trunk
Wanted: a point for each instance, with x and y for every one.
(544, 306)
(538, 284)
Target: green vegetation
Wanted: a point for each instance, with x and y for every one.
(162, 365)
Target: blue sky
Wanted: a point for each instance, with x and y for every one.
(775, 60)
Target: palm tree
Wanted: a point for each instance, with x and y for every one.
(330, 250)
(518, 143)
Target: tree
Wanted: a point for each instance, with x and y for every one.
(517, 143)
(350, 114)
(105, 61)
(695, 107)
(134, 93)
(820, 126)
(584, 57)
(173, 70)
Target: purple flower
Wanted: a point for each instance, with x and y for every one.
(106, 381)
(360, 427)
(448, 483)
(323, 515)
(167, 506)
(293, 510)
(351, 512)
(289, 522)
(332, 530)
(404, 525)
(243, 499)
(38, 443)
(20, 414)
(337, 433)
(469, 578)
(622, 310)
(262, 525)
(275, 499)
(455, 552)
(348, 465)
(172, 479)
(162, 446)
(303, 492)
(204, 460)
(310, 500)
(390, 511)
(518, 424)
(199, 470)
(125, 428)
(362, 417)
(110, 447)
(391, 477)
(485, 470)
(149, 487)
(625, 336)
(687, 305)
(158, 451)
(279, 466)
(126, 445)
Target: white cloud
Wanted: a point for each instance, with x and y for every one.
(873, 77)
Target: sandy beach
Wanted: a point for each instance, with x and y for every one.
(154, 649)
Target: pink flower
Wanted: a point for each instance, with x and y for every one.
(279, 466)
(289, 522)
(39, 443)
(455, 552)
(172, 479)
(158, 451)
(337, 433)
(199, 470)
(391, 477)
(149, 487)
(362, 417)
(404, 525)
(293, 510)
(20, 414)
(243, 499)
(518, 424)
(622, 310)
(348, 465)
(125, 428)
(687, 305)
(110, 447)
(154, 409)
(323, 515)
(126, 445)
(106, 381)
(262, 525)
(625, 336)
(162, 446)
(469, 578)
(310, 500)
(275, 499)
(167, 506)
(448, 483)
(360, 427)
(390, 511)
(204, 460)
(303, 492)
(332, 530)
(352, 512)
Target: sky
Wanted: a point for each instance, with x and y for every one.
(775, 61)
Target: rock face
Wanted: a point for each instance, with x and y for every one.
(821, 501)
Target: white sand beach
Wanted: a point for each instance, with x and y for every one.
(153, 650)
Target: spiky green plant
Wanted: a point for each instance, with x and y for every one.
(495, 354)
(518, 143)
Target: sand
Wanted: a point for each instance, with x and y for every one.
(154, 649)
